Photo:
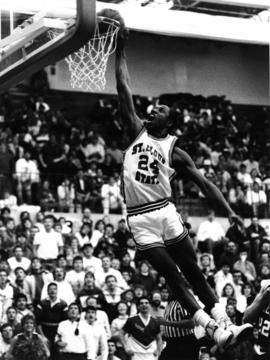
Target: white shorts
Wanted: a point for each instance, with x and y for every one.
(157, 228)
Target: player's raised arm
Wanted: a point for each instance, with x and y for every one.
(183, 162)
(123, 86)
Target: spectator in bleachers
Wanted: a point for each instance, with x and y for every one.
(7, 168)
(210, 232)
(246, 267)
(7, 293)
(11, 319)
(27, 178)
(84, 235)
(18, 260)
(223, 277)
(65, 196)
(256, 199)
(112, 292)
(76, 276)
(99, 333)
(243, 176)
(111, 197)
(6, 335)
(108, 270)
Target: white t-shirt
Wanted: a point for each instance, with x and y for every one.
(93, 264)
(24, 263)
(210, 230)
(48, 244)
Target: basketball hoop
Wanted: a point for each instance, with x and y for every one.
(88, 65)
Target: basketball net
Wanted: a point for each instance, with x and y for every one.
(88, 65)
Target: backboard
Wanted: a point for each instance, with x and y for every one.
(26, 41)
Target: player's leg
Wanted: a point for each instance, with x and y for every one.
(185, 257)
(160, 259)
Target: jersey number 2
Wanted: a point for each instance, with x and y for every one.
(143, 164)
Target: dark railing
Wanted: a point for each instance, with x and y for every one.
(59, 191)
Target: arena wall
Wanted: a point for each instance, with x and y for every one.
(160, 64)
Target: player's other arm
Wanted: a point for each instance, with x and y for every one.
(252, 313)
(129, 115)
(183, 162)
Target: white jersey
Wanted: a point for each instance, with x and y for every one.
(147, 172)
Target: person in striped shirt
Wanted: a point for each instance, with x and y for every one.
(178, 332)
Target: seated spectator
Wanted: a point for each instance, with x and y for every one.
(234, 315)
(207, 266)
(107, 243)
(229, 254)
(84, 235)
(98, 232)
(20, 285)
(89, 289)
(93, 150)
(122, 235)
(8, 200)
(256, 199)
(209, 233)
(223, 277)
(237, 199)
(6, 336)
(237, 233)
(229, 292)
(249, 293)
(116, 154)
(8, 235)
(108, 167)
(111, 198)
(246, 267)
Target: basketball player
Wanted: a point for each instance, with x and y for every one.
(150, 162)
(259, 312)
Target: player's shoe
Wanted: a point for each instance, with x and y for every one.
(222, 337)
(240, 333)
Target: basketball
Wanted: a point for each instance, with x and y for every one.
(112, 14)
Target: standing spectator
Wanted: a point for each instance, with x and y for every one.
(6, 335)
(111, 197)
(116, 154)
(18, 260)
(143, 339)
(243, 176)
(122, 235)
(20, 303)
(145, 277)
(49, 313)
(84, 235)
(118, 323)
(7, 293)
(100, 336)
(256, 199)
(74, 337)
(101, 316)
(36, 280)
(48, 244)
(112, 350)
(76, 276)
(64, 288)
(108, 270)
(112, 293)
(11, 319)
(98, 232)
(7, 168)
(65, 196)
(28, 345)
(209, 233)
(82, 191)
(90, 262)
(89, 289)
(157, 310)
(27, 177)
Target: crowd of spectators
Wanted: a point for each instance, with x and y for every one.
(52, 269)
(48, 158)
